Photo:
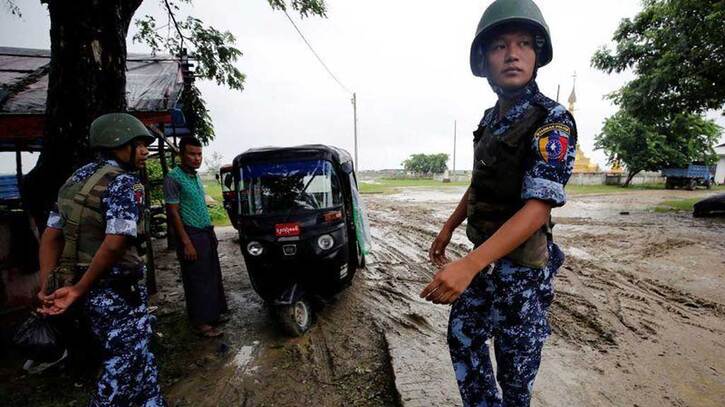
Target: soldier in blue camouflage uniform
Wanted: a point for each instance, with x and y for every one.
(524, 150)
(88, 256)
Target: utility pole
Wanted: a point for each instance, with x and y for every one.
(354, 120)
(558, 88)
(454, 147)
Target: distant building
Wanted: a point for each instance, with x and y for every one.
(720, 169)
(582, 163)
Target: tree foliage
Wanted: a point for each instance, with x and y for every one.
(306, 8)
(87, 76)
(654, 146)
(426, 163)
(213, 162)
(676, 49)
(213, 50)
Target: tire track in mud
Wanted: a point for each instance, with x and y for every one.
(605, 306)
(415, 331)
(342, 360)
(607, 301)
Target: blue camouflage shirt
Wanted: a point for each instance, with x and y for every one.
(553, 145)
(122, 201)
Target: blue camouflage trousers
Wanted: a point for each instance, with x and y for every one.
(508, 305)
(121, 324)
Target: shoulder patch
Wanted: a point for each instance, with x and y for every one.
(552, 142)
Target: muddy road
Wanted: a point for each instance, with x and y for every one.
(639, 315)
(638, 318)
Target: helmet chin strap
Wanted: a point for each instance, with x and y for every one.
(131, 164)
(510, 93)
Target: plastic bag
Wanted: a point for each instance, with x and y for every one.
(39, 339)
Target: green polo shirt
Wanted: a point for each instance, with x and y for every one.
(187, 191)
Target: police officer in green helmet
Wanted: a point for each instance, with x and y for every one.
(524, 150)
(89, 260)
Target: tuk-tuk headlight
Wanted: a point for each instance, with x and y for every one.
(325, 242)
(255, 248)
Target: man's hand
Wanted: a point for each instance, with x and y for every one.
(437, 251)
(43, 298)
(450, 282)
(189, 252)
(60, 300)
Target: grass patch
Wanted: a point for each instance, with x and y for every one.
(392, 185)
(217, 212)
(609, 189)
(677, 205)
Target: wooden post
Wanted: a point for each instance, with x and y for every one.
(170, 233)
(150, 261)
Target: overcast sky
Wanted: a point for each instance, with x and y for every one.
(406, 59)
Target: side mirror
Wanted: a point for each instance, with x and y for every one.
(217, 178)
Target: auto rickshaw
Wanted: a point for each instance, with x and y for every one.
(302, 226)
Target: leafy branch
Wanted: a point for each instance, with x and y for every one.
(213, 50)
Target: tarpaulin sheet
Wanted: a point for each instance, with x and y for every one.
(153, 83)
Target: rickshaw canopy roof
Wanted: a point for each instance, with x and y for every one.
(309, 151)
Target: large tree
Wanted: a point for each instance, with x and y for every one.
(676, 49)
(88, 76)
(653, 146)
(426, 163)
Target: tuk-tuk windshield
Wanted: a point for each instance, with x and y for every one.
(287, 187)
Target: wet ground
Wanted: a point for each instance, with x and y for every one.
(639, 316)
(638, 320)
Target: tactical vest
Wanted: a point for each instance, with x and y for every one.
(495, 193)
(80, 205)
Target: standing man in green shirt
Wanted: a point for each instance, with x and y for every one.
(196, 241)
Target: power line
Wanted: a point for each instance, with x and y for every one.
(315, 54)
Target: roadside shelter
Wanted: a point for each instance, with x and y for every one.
(154, 84)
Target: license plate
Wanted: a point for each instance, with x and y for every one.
(287, 229)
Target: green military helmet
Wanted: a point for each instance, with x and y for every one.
(113, 130)
(502, 12)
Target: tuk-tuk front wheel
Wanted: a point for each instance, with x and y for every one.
(296, 318)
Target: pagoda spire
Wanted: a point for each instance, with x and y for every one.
(582, 163)
(572, 97)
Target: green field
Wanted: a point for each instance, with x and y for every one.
(217, 212)
(677, 205)
(391, 186)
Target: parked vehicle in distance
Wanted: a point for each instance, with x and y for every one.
(712, 206)
(690, 177)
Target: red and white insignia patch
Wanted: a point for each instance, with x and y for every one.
(552, 142)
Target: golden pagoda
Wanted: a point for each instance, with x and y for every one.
(582, 163)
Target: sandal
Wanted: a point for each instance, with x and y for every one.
(208, 331)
